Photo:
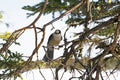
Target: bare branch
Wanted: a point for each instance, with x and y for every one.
(19, 32)
(113, 45)
(64, 14)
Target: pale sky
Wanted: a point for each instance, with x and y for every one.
(13, 13)
(16, 17)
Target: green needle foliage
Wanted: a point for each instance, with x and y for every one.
(100, 22)
(99, 10)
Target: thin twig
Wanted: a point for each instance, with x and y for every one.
(41, 72)
(41, 12)
(43, 36)
(62, 75)
(52, 72)
(64, 14)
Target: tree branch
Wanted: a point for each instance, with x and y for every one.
(113, 45)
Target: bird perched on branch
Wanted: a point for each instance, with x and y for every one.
(53, 41)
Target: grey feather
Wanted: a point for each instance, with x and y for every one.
(49, 55)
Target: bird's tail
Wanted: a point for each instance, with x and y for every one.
(49, 55)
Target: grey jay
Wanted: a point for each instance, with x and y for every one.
(53, 41)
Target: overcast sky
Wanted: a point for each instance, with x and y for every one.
(16, 17)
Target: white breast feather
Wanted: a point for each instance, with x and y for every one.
(57, 37)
